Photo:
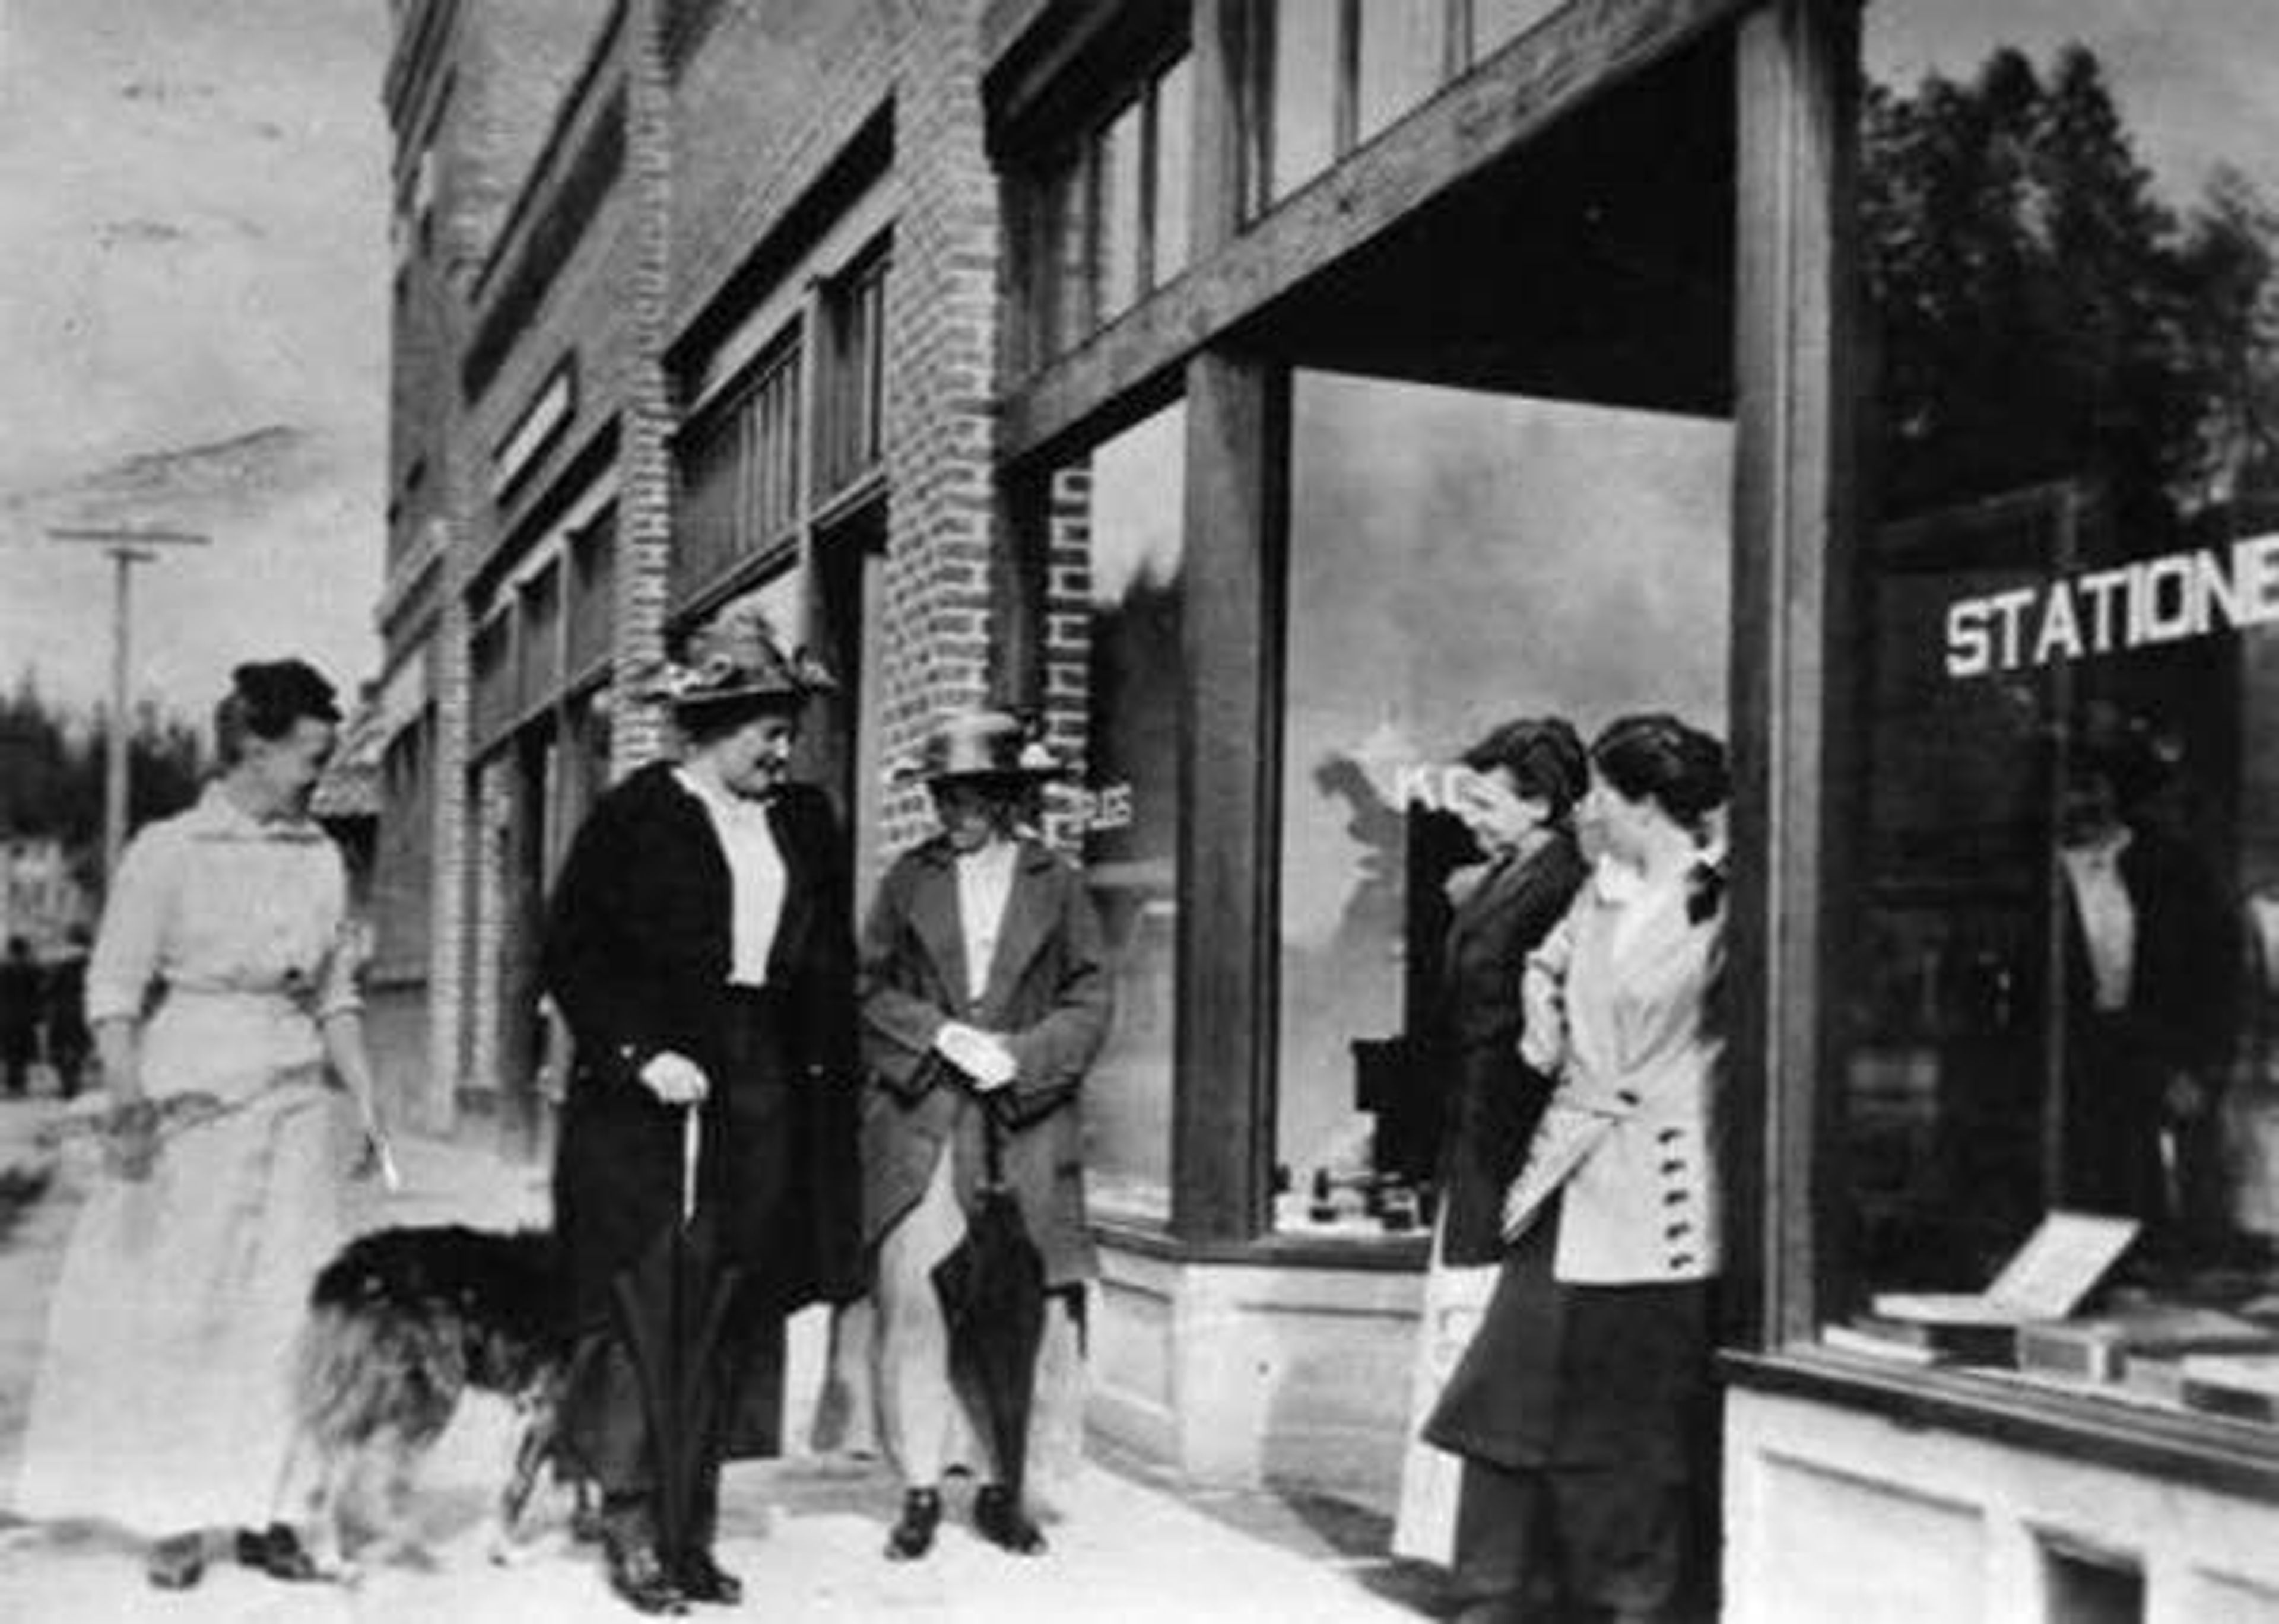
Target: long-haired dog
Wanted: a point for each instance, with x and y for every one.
(401, 1324)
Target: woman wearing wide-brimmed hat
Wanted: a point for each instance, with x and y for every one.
(700, 947)
(984, 990)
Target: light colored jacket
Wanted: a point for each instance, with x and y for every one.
(1630, 1135)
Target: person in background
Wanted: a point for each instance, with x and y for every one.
(161, 1398)
(983, 989)
(69, 1041)
(1516, 794)
(700, 946)
(20, 1015)
(1582, 1406)
(2152, 962)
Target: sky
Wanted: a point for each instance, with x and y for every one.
(194, 287)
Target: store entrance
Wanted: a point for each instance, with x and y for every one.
(1510, 495)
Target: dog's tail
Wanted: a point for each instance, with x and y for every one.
(361, 1369)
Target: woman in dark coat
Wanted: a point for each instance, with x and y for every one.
(699, 947)
(984, 990)
(1582, 1406)
(1515, 796)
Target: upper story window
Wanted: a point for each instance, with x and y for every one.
(1106, 222)
(1334, 72)
(740, 477)
(851, 396)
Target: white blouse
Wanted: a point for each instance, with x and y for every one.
(984, 882)
(756, 877)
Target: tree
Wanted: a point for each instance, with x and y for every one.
(2044, 314)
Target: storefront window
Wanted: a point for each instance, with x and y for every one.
(1123, 520)
(1456, 559)
(2060, 986)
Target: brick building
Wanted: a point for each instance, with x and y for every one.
(1270, 395)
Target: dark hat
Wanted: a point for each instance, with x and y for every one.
(736, 655)
(980, 744)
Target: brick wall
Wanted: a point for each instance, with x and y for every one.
(941, 346)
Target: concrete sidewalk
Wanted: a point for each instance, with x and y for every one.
(804, 1532)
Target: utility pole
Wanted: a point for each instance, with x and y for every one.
(128, 548)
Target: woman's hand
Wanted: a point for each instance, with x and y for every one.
(130, 1138)
(675, 1079)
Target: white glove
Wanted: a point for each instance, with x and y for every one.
(674, 1078)
(982, 1056)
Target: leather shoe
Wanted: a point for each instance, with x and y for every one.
(913, 1536)
(1000, 1519)
(704, 1580)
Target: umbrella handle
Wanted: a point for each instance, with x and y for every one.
(691, 1144)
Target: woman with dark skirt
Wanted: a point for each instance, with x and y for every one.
(1515, 796)
(1582, 1406)
(699, 944)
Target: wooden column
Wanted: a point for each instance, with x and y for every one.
(1795, 668)
(1230, 746)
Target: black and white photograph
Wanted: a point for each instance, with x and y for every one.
(1173, 810)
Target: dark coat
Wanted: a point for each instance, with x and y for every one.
(2183, 994)
(1047, 994)
(1494, 1098)
(637, 955)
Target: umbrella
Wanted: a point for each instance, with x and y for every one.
(672, 1306)
(992, 1288)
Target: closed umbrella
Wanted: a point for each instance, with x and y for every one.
(992, 1287)
(672, 1308)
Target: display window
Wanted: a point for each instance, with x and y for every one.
(2057, 985)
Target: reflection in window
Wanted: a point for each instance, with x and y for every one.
(1129, 528)
(1456, 559)
(2055, 999)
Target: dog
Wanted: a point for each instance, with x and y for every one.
(402, 1323)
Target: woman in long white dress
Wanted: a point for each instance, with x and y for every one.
(220, 990)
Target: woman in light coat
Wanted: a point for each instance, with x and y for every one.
(1581, 1406)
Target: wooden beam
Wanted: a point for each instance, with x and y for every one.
(1230, 750)
(1573, 56)
(1795, 587)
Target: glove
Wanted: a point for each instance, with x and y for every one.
(982, 1056)
(674, 1078)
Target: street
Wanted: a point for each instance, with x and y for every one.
(805, 1534)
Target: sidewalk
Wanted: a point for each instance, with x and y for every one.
(804, 1532)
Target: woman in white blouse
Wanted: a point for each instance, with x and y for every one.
(1580, 1407)
(221, 987)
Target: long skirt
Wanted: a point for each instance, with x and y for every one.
(161, 1400)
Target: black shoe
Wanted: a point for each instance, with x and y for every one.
(704, 1580)
(1000, 1519)
(913, 1536)
(277, 1551)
